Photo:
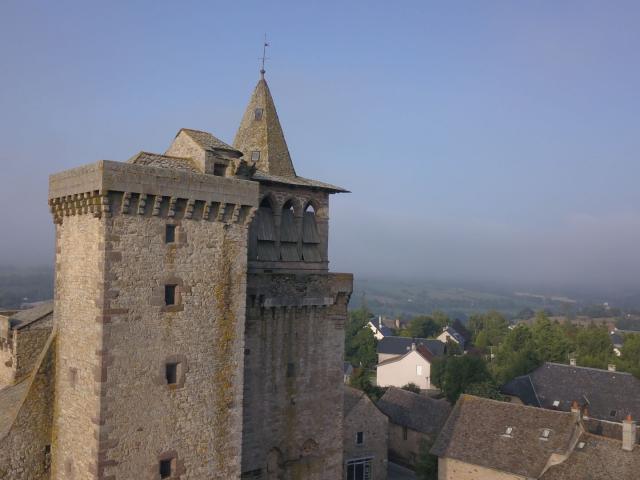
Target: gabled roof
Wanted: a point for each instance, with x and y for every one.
(603, 392)
(417, 412)
(522, 388)
(601, 458)
(477, 433)
(401, 345)
(24, 318)
(455, 334)
(206, 140)
(164, 161)
(420, 350)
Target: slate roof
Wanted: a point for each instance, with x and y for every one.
(455, 334)
(401, 345)
(11, 398)
(24, 318)
(601, 458)
(601, 391)
(476, 433)
(164, 161)
(351, 398)
(417, 412)
(206, 140)
(265, 177)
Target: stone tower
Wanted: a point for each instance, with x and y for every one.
(296, 310)
(150, 293)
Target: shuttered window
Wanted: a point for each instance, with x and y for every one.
(310, 237)
(288, 235)
(266, 233)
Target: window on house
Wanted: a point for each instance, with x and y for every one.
(359, 469)
(169, 294)
(255, 156)
(418, 370)
(404, 433)
(359, 438)
(545, 434)
(165, 468)
(219, 169)
(612, 413)
(170, 234)
(258, 114)
(171, 373)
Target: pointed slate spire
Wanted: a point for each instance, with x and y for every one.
(260, 137)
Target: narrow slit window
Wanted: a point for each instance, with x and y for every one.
(170, 294)
(258, 113)
(255, 156)
(165, 469)
(171, 373)
(359, 438)
(404, 433)
(170, 234)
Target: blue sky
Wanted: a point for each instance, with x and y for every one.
(489, 141)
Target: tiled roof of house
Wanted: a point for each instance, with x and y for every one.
(414, 411)
(600, 458)
(164, 161)
(505, 436)
(607, 395)
(401, 345)
(24, 318)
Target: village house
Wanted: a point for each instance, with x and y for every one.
(449, 334)
(365, 442)
(414, 420)
(379, 329)
(489, 440)
(605, 396)
(412, 367)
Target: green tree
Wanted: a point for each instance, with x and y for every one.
(453, 375)
(630, 359)
(517, 355)
(488, 329)
(486, 389)
(361, 379)
(593, 347)
(427, 464)
(551, 342)
(360, 346)
(421, 327)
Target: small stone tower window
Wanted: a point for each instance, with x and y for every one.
(166, 468)
(255, 156)
(359, 438)
(258, 114)
(170, 234)
(171, 373)
(169, 294)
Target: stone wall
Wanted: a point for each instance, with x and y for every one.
(406, 451)
(294, 342)
(25, 448)
(451, 469)
(365, 417)
(29, 344)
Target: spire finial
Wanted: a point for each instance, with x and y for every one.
(264, 55)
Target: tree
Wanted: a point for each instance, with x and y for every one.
(630, 358)
(487, 389)
(453, 375)
(362, 381)
(593, 347)
(551, 343)
(488, 329)
(411, 387)
(421, 327)
(360, 346)
(427, 464)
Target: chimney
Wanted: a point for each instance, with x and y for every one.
(629, 430)
(575, 408)
(413, 345)
(572, 361)
(612, 367)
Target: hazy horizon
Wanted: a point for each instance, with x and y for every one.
(491, 143)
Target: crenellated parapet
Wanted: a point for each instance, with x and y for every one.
(106, 189)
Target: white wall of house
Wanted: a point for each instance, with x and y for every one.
(444, 336)
(376, 332)
(411, 368)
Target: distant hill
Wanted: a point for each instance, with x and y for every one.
(398, 298)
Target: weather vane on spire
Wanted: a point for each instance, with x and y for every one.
(264, 55)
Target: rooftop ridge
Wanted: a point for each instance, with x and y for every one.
(587, 368)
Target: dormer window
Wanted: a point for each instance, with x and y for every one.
(258, 114)
(508, 432)
(255, 156)
(556, 403)
(544, 435)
